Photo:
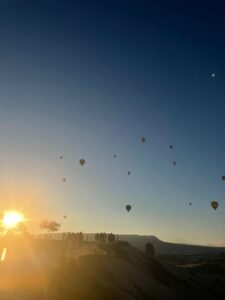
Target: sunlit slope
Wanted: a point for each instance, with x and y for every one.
(52, 270)
(122, 272)
(111, 272)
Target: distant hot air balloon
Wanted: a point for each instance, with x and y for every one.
(223, 178)
(143, 139)
(190, 203)
(214, 204)
(128, 207)
(63, 179)
(128, 172)
(114, 155)
(171, 146)
(174, 163)
(82, 161)
(61, 157)
(64, 217)
(213, 75)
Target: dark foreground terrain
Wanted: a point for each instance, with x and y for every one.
(53, 270)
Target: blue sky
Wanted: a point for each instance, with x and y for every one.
(87, 79)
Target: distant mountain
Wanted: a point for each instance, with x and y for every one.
(161, 247)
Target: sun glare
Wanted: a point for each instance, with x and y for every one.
(11, 219)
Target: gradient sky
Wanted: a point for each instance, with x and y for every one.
(87, 79)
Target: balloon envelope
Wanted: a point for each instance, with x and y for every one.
(223, 178)
(128, 207)
(82, 161)
(143, 139)
(214, 204)
(128, 172)
(61, 157)
(171, 146)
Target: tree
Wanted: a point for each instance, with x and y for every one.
(49, 225)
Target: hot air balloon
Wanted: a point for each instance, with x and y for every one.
(64, 217)
(128, 172)
(128, 207)
(143, 139)
(82, 161)
(174, 163)
(214, 204)
(61, 157)
(63, 179)
(223, 178)
(213, 75)
(114, 155)
(190, 203)
(171, 146)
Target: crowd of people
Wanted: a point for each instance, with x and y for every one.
(77, 238)
(104, 237)
(73, 238)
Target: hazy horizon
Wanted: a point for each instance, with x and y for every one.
(178, 241)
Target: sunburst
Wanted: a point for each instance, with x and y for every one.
(11, 219)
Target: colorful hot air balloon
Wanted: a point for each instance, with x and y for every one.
(214, 204)
(143, 139)
(128, 207)
(82, 161)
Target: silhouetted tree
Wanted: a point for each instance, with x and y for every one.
(49, 226)
(54, 226)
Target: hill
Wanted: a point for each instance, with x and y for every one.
(170, 248)
(166, 248)
(55, 270)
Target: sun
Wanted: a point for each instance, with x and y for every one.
(11, 219)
